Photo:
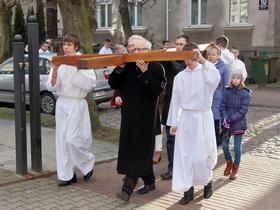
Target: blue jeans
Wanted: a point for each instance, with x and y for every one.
(237, 149)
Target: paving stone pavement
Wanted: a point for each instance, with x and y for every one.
(257, 187)
(259, 179)
(247, 192)
(109, 116)
(263, 134)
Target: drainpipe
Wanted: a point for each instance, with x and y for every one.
(167, 20)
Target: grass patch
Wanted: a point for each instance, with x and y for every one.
(7, 114)
(46, 119)
(101, 133)
(108, 134)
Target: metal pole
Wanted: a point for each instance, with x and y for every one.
(167, 25)
(20, 116)
(34, 92)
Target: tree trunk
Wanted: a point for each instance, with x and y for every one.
(79, 18)
(6, 28)
(123, 10)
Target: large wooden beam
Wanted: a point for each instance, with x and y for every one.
(72, 60)
(100, 61)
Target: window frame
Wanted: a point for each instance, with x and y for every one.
(98, 14)
(136, 14)
(228, 17)
(198, 14)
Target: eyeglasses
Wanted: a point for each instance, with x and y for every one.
(138, 49)
(180, 44)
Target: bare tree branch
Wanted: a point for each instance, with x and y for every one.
(10, 3)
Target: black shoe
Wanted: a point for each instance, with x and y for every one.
(88, 175)
(123, 196)
(188, 196)
(147, 188)
(208, 190)
(166, 176)
(65, 183)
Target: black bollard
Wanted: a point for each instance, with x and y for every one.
(20, 116)
(34, 91)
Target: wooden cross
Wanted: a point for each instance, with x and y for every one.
(93, 61)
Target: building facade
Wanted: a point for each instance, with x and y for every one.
(248, 24)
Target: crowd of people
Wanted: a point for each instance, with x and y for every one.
(200, 103)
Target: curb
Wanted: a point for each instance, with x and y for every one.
(265, 106)
(44, 174)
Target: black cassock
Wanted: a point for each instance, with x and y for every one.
(139, 93)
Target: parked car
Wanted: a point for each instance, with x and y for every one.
(102, 91)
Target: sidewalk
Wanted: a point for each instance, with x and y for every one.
(103, 151)
(257, 187)
(265, 97)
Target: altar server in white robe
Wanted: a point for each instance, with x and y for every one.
(191, 119)
(73, 128)
(227, 56)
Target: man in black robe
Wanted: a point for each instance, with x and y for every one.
(140, 84)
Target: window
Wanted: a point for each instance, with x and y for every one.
(135, 13)
(104, 14)
(199, 12)
(7, 68)
(238, 11)
(44, 66)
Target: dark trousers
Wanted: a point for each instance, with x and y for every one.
(130, 182)
(217, 132)
(170, 144)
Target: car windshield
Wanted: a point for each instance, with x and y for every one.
(8, 66)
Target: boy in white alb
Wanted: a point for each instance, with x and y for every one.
(226, 56)
(191, 119)
(238, 64)
(73, 128)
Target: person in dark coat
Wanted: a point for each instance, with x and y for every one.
(235, 105)
(213, 55)
(172, 68)
(140, 84)
(158, 135)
